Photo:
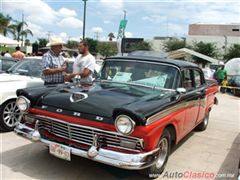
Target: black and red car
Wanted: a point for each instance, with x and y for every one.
(130, 117)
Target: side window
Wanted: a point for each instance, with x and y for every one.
(188, 79)
(197, 78)
(6, 64)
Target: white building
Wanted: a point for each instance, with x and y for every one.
(223, 35)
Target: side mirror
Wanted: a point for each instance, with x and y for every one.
(181, 90)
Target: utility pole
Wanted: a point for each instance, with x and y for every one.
(124, 17)
(97, 35)
(84, 18)
(225, 44)
(22, 27)
(49, 35)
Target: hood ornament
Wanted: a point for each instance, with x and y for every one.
(78, 96)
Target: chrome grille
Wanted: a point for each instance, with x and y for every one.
(85, 134)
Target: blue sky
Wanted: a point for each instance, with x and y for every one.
(146, 18)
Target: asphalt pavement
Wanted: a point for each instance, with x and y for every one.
(214, 152)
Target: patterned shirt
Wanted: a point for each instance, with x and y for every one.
(51, 61)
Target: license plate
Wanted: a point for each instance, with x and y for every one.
(60, 151)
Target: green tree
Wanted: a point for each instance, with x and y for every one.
(233, 52)
(174, 44)
(18, 31)
(92, 45)
(111, 36)
(27, 42)
(140, 46)
(42, 42)
(106, 49)
(208, 49)
(72, 44)
(4, 24)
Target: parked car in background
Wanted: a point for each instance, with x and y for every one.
(25, 73)
(234, 84)
(6, 63)
(133, 114)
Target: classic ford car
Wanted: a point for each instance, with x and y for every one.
(130, 117)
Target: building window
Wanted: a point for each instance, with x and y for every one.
(235, 29)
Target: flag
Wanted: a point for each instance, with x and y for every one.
(122, 26)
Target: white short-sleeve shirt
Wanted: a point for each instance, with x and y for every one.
(82, 62)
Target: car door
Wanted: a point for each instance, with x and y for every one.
(200, 87)
(190, 100)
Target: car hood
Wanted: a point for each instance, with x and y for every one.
(4, 77)
(12, 82)
(105, 99)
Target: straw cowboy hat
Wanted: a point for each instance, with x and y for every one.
(55, 42)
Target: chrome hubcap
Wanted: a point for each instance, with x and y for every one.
(205, 121)
(11, 114)
(163, 145)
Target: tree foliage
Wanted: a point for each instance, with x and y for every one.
(106, 49)
(233, 52)
(72, 44)
(111, 36)
(140, 46)
(92, 45)
(4, 24)
(208, 49)
(18, 31)
(174, 44)
(42, 42)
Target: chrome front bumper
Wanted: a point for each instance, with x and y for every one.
(109, 157)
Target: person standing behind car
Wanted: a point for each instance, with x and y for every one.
(221, 74)
(18, 54)
(84, 64)
(53, 64)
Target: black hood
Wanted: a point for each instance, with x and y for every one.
(107, 99)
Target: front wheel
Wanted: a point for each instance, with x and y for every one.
(9, 115)
(164, 146)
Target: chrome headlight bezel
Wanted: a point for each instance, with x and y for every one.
(127, 119)
(20, 104)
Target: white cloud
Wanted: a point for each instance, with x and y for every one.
(175, 29)
(64, 36)
(106, 22)
(128, 34)
(35, 11)
(37, 30)
(67, 12)
(155, 19)
(112, 4)
(70, 22)
(97, 30)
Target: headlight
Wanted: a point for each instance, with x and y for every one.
(124, 124)
(23, 103)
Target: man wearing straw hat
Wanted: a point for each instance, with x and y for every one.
(54, 66)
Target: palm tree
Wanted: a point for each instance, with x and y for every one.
(18, 30)
(4, 24)
(111, 36)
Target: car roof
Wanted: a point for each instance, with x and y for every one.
(7, 58)
(179, 63)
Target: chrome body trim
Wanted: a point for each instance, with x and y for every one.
(109, 157)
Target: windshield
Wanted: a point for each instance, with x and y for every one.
(29, 67)
(140, 73)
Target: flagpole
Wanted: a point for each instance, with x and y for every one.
(124, 17)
